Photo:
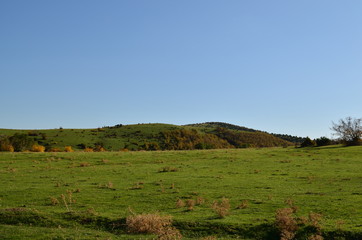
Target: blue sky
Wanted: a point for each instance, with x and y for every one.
(279, 66)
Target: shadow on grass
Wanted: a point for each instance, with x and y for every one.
(264, 231)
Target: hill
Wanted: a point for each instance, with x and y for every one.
(212, 135)
(213, 125)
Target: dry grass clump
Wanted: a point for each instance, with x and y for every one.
(222, 207)
(190, 203)
(314, 221)
(153, 224)
(199, 200)
(286, 223)
(180, 203)
(54, 201)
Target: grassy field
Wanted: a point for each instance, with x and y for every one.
(105, 186)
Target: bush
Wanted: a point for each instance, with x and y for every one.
(5, 144)
(323, 141)
(54, 149)
(88, 149)
(308, 142)
(37, 148)
(68, 149)
(7, 148)
(21, 142)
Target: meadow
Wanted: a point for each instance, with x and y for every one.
(80, 195)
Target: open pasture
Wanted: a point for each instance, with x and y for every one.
(88, 195)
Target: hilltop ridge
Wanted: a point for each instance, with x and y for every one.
(151, 136)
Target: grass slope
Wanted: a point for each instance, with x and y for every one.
(324, 180)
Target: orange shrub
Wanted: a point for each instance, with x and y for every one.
(6, 147)
(88, 149)
(37, 148)
(68, 149)
(54, 150)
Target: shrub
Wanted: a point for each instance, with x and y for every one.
(37, 148)
(88, 149)
(68, 149)
(7, 147)
(323, 141)
(21, 142)
(308, 142)
(54, 149)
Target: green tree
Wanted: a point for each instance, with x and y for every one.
(21, 142)
(322, 141)
(308, 142)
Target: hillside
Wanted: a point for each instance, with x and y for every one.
(156, 136)
(207, 126)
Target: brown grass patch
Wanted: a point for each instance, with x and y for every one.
(153, 224)
(222, 207)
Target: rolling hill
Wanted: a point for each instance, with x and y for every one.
(211, 135)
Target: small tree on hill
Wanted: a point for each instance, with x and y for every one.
(349, 130)
(21, 142)
(307, 142)
(323, 141)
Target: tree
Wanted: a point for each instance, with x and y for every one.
(307, 142)
(21, 142)
(349, 130)
(323, 141)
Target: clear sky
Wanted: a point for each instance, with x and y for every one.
(279, 66)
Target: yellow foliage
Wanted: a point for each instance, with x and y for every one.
(6, 147)
(88, 149)
(37, 148)
(68, 149)
(54, 150)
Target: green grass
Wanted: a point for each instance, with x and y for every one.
(323, 180)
